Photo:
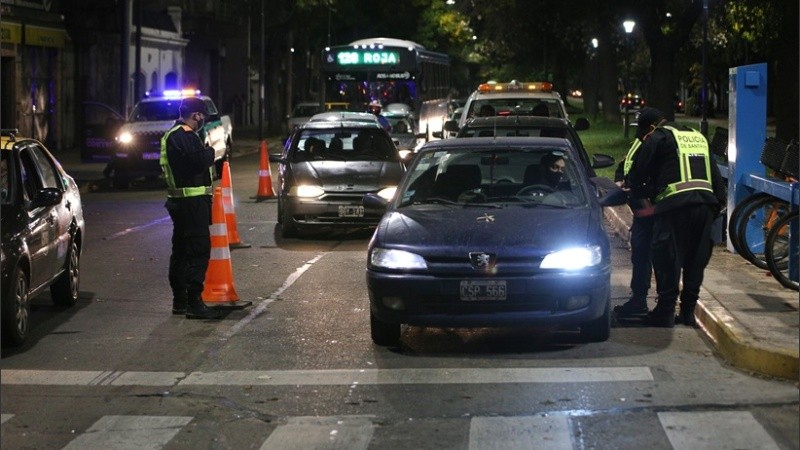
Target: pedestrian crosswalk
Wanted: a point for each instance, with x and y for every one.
(681, 430)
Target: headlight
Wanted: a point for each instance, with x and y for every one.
(396, 259)
(306, 191)
(125, 138)
(573, 258)
(404, 154)
(387, 193)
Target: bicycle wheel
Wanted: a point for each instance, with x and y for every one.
(733, 220)
(753, 225)
(781, 245)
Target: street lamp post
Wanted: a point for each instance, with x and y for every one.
(704, 92)
(628, 25)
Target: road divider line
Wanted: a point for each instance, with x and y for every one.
(137, 228)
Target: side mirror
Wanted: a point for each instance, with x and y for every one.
(47, 197)
(581, 124)
(451, 126)
(374, 202)
(600, 160)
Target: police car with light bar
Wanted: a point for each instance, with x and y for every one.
(513, 98)
(138, 144)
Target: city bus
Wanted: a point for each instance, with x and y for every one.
(390, 71)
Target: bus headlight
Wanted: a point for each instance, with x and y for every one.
(125, 138)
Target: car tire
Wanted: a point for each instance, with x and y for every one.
(384, 333)
(598, 330)
(64, 291)
(225, 158)
(16, 310)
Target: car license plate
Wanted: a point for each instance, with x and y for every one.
(351, 211)
(151, 155)
(483, 290)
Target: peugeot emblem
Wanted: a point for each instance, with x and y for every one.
(488, 218)
(481, 260)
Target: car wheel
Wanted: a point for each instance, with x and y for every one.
(384, 333)
(65, 289)
(218, 165)
(16, 310)
(598, 330)
(288, 227)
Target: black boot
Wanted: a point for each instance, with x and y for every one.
(179, 305)
(636, 306)
(686, 316)
(663, 315)
(196, 309)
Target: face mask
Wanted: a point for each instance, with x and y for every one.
(553, 178)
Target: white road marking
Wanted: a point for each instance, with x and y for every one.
(520, 433)
(258, 310)
(715, 430)
(5, 418)
(346, 433)
(129, 432)
(137, 228)
(336, 377)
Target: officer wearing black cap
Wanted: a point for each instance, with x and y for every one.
(187, 165)
(641, 232)
(675, 164)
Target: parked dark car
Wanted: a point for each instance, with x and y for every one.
(631, 102)
(530, 126)
(325, 170)
(474, 237)
(42, 232)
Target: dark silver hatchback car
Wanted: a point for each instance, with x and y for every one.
(325, 170)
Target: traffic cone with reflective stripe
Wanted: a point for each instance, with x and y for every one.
(218, 289)
(264, 176)
(230, 211)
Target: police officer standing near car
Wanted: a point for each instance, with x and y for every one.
(675, 162)
(641, 230)
(186, 163)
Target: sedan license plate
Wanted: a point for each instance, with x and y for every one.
(483, 290)
(351, 211)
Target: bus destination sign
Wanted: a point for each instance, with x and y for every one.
(367, 57)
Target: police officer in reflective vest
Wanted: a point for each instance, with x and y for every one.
(675, 162)
(641, 232)
(186, 163)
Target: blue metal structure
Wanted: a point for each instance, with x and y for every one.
(747, 123)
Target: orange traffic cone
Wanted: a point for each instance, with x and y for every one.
(218, 290)
(230, 211)
(264, 176)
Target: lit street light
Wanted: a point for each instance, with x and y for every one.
(628, 25)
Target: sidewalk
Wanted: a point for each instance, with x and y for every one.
(749, 317)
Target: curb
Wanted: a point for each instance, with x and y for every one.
(734, 343)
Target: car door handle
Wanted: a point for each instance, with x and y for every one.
(68, 204)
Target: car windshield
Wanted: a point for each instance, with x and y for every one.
(547, 107)
(534, 177)
(516, 131)
(344, 144)
(160, 110)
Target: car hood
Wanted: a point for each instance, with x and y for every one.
(349, 175)
(443, 230)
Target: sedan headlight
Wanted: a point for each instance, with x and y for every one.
(125, 138)
(306, 191)
(387, 193)
(573, 258)
(396, 259)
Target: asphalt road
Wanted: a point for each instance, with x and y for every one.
(297, 368)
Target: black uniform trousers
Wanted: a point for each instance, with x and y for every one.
(641, 239)
(191, 245)
(681, 247)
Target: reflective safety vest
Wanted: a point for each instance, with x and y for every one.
(629, 157)
(695, 164)
(172, 190)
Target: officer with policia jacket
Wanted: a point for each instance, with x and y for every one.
(187, 166)
(675, 163)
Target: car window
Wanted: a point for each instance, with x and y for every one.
(342, 144)
(515, 106)
(160, 110)
(501, 177)
(47, 171)
(7, 178)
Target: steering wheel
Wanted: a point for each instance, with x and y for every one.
(540, 189)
